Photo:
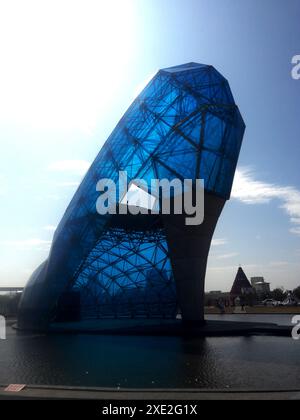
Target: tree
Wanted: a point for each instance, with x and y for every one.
(297, 292)
(9, 304)
(279, 294)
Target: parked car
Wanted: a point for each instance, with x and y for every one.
(271, 303)
(291, 303)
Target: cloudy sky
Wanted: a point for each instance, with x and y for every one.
(70, 69)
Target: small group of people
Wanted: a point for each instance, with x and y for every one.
(239, 301)
(221, 306)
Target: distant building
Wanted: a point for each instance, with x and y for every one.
(256, 280)
(261, 287)
(241, 286)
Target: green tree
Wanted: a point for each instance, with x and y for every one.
(9, 304)
(279, 294)
(297, 292)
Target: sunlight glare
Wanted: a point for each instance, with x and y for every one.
(62, 61)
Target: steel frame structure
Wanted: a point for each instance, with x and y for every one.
(186, 125)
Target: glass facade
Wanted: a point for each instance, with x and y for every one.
(185, 125)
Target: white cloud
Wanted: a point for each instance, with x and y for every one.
(249, 190)
(278, 264)
(227, 256)
(27, 243)
(69, 184)
(295, 230)
(219, 242)
(78, 167)
(50, 228)
(233, 268)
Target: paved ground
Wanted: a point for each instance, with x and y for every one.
(129, 395)
(258, 310)
(171, 328)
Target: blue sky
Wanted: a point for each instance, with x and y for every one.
(70, 69)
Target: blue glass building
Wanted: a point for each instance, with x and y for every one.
(184, 125)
